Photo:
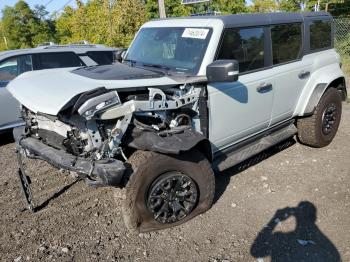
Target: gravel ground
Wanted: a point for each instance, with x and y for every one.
(246, 223)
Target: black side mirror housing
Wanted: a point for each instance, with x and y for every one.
(120, 55)
(223, 71)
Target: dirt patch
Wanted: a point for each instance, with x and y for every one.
(78, 223)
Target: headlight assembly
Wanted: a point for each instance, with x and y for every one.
(98, 103)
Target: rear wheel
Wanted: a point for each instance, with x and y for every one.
(165, 191)
(320, 129)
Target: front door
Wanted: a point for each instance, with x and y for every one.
(243, 108)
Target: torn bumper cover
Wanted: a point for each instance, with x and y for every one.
(174, 143)
(97, 173)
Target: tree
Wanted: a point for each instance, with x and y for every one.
(128, 16)
(102, 21)
(24, 27)
(229, 6)
(264, 6)
(45, 30)
(3, 40)
(177, 9)
(289, 5)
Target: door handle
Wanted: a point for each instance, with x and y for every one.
(264, 88)
(304, 74)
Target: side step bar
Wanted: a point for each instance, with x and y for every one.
(238, 153)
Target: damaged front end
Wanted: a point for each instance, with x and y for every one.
(96, 132)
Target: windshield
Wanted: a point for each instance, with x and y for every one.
(176, 49)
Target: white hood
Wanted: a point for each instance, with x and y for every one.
(48, 91)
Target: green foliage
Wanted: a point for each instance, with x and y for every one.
(102, 21)
(295, 5)
(24, 27)
(176, 9)
(264, 6)
(115, 22)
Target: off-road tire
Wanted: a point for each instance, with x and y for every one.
(310, 129)
(146, 168)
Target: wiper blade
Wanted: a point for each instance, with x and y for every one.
(132, 62)
(157, 66)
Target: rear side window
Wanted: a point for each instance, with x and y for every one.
(101, 57)
(320, 35)
(286, 42)
(14, 66)
(57, 60)
(244, 45)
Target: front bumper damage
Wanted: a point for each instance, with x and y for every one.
(96, 173)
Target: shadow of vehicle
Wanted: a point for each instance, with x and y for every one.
(6, 138)
(54, 196)
(222, 179)
(305, 243)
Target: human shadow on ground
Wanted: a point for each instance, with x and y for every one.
(305, 243)
(222, 179)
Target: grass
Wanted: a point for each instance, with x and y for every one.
(346, 70)
(346, 65)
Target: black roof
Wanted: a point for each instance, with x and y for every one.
(269, 18)
(252, 19)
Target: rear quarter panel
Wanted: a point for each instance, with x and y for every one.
(325, 69)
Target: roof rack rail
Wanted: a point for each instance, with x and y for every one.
(46, 44)
(81, 42)
(75, 45)
(207, 13)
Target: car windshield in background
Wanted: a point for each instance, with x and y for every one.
(176, 49)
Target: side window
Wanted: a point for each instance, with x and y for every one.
(320, 35)
(57, 60)
(286, 42)
(101, 57)
(14, 66)
(244, 45)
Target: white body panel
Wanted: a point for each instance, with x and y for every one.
(237, 110)
(48, 91)
(325, 69)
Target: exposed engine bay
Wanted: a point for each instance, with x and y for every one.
(105, 124)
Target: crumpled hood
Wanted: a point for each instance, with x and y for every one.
(48, 91)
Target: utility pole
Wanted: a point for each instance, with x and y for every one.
(327, 7)
(161, 6)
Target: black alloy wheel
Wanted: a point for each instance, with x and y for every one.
(172, 197)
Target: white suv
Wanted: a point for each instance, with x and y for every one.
(192, 96)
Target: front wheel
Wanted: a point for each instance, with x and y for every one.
(165, 191)
(320, 129)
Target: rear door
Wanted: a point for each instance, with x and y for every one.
(9, 106)
(290, 69)
(240, 109)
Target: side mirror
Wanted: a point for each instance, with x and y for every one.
(223, 71)
(120, 55)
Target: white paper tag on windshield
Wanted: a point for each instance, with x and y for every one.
(198, 33)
